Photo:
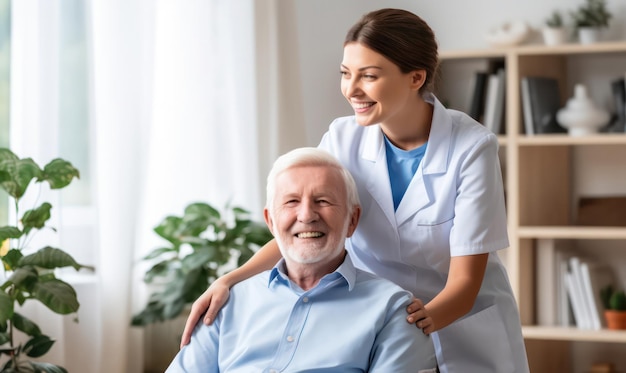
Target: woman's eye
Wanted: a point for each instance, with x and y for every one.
(369, 77)
(344, 73)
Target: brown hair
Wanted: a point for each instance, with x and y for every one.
(402, 37)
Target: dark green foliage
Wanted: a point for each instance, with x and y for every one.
(593, 13)
(199, 243)
(31, 276)
(613, 299)
(555, 20)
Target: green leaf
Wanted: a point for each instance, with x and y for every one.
(25, 325)
(200, 258)
(258, 234)
(197, 218)
(36, 218)
(38, 346)
(12, 258)
(47, 368)
(9, 232)
(151, 314)
(51, 258)
(16, 174)
(59, 173)
(160, 251)
(168, 228)
(25, 278)
(6, 155)
(57, 295)
(4, 338)
(158, 270)
(6, 307)
(245, 255)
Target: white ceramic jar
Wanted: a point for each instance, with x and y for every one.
(580, 115)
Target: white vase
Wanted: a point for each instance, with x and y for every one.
(588, 35)
(554, 35)
(580, 115)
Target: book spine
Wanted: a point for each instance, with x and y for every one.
(477, 105)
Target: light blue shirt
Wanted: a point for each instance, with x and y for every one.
(351, 321)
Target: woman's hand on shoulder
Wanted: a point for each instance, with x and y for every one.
(210, 301)
(419, 316)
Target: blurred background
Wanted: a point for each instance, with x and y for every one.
(161, 103)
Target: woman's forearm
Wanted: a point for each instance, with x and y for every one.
(458, 296)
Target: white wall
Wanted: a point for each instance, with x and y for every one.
(458, 24)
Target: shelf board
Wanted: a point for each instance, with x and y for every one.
(536, 49)
(572, 232)
(573, 334)
(565, 139)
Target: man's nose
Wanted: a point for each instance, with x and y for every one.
(307, 212)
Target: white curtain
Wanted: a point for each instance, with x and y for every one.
(190, 100)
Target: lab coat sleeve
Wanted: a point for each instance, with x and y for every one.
(480, 214)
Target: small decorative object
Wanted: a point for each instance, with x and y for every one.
(614, 302)
(589, 19)
(554, 33)
(508, 34)
(580, 115)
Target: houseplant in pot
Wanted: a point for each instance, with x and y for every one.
(554, 32)
(614, 302)
(200, 245)
(590, 19)
(30, 274)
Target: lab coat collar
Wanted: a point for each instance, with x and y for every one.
(435, 161)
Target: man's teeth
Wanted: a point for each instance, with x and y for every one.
(309, 234)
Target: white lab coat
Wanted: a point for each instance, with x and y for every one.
(453, 206)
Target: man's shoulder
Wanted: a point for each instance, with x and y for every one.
(377, 283)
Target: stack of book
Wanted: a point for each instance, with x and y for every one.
(487, 102)
(541, 100)
(569, 287)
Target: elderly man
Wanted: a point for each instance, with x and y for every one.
(314, 311)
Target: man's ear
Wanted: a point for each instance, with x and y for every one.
(268, 220)
(354, 220)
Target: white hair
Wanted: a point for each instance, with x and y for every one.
(309, 156)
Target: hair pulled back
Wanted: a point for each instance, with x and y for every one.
(402, 37)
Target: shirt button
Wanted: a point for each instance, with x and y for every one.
(305, 299)
(289, 339)
(273, 371)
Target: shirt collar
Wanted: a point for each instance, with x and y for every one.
(345, 270)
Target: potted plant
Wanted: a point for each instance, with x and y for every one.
(614, 302)
(200, 245)
(554, 32)
(589, 19)
(28, 274)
